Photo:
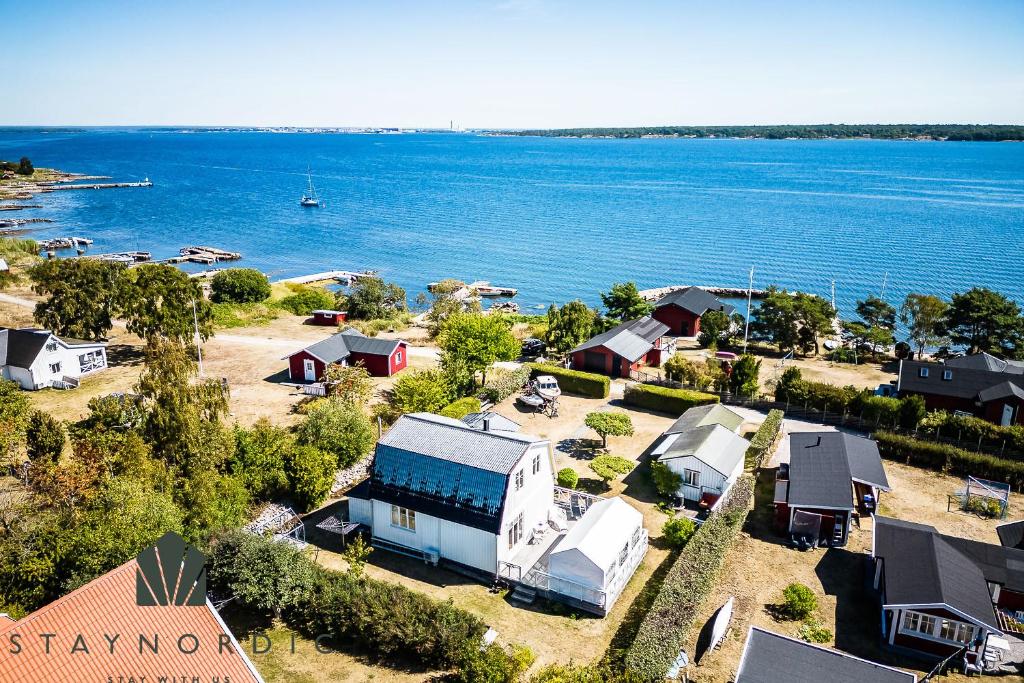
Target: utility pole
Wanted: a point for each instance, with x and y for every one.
(746, 325)
(199, 349)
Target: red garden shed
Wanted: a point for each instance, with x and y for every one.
(380, 357)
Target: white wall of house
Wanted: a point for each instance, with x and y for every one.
(709, 478)
(57, 360)
(533, 501)
(360, 511)
(456, 542)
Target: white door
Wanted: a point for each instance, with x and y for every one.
(310, 370)
(1007, 415)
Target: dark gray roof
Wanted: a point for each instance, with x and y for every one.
(631, 340)
(971, 377)
(452, 440)
(920, 567)
(1004, 566)
(712, 413)
(771, 658)
(498, 422)
(337, 347)
(695, 300)
(1011, 534)
(20, 347)
(822, 466)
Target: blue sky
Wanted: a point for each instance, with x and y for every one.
(510, 63)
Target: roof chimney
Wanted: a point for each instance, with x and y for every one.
(487, 422)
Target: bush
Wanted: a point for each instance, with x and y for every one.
(259, 459)
(607, 424)
(666, 482)
(687, 585)
(502, 383)
(813, 631)
(264, 574)
(764, 438)
(461, 408)
(44, 438)
(495, 664)
(912, 411)
(665, 400)
(798, 602)
(306, 299)
(608, 467)
(338, 428)
(677, 531)
(574, 381)
(421, 391)
(240, 286)
(972, 429)
(567, 478)
(310, 475)
(949, 459)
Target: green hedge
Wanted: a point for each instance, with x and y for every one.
(574, 381)
(950, 459)
(764, 438)
(502, 383)
(970, 429)
(687, 585)
(461, 408)
(664, 399)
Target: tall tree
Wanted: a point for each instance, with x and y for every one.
(156, 299)
(744, 377)
(15, 412)
(623, 302)
(876, 312)
(714, 327)
(80, 296)
(44, 438)
(923, 315)
(983, 320)
(371, 298)
(569, 326)
(478, 339)
(791, 321)
(876, 327)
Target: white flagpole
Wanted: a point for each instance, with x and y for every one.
(746, 326)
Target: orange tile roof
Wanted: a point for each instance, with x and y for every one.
(107, 606)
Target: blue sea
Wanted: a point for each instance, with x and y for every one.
(556, 218)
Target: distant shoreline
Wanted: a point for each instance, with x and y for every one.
(906, 132)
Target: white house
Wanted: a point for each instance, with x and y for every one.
(483, 501)
(709, 459)
(38, 359)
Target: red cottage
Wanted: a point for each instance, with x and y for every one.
(380, 357)
(329, 317)
(981, 385)
(681, 310)
(623, 349)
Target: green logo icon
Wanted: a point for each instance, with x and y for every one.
(170, 572)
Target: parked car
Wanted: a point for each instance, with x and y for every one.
(533, 347)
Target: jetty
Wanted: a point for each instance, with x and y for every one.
(726, 292)
(203, 255)
(19, 207)
(345, 277)
(93, 186)
(18, 222)
(64, 243)
(126, 257)
(480, 288)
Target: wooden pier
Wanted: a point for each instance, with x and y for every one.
(19, 207)
(94, 186)
(203, 255)
(18, 222)
(480, 288)
(346, 277)
(64, 243)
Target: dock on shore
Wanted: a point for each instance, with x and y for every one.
(344, 276)
(18, 222)
(203, 255)
(479, 288)
(93, 186)
(727, 292)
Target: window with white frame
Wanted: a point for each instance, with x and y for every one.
(636, 537)
(947, 375)
(691, 478)
(536, 463)
(403, 518)
(956, 631)
(519, 480)
(919, 623)
(54, 368)
(923, 372)
(623, 554)
(51, 346)
(398, 357)
(515, 532)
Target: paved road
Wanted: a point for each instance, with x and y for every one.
(283, 343)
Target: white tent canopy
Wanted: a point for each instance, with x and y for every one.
(590, 551)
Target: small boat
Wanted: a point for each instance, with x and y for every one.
(531, 401)
(719, 627)
(547, 387)
(310, 197)
(830, 345)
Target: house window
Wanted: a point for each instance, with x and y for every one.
(536, 464)
(956, 631)
(519, 480)
(947, 375)
(398, 357)
(54, 368)
(921, 623)
(515, 532)
(623, 554)
(691, 478)
(51, 346)
(636, 537)
(923, 372)
(403, 518)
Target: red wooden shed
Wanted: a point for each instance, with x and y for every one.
(380, 357)
(681, 310)
(329, 318)
(622, 349)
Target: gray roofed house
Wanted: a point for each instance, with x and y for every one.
(490, 421)
(339, 346)
(980, 384)
(708, 459)
(937, 591)
(38, 359)
(631, 339)
(1011, 534)
(831, 474)
(695, 300)
(382, 357)
(772, 658)
(712, 413)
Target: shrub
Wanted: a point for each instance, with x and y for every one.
(677, 531)
(686, 586)
(813, 631)
(310, 475)
(608, 467)
(265, 574)
(666, 482)
(494, 664)
(764, 438)
(665, 400)
(972, 429)
(609, 424)
(574, 381)
(259, 459)
(338, 428)
(567, 478)
(949, 459)
(912, 411)
(421, 391)
(502, 383)
(461, 408)
(307, 299)
(44, 438)
(240, 286)
(798, 602)
(881, 410)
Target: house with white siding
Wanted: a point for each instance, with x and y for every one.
(483, 502)
(39, 359)
(708, 458)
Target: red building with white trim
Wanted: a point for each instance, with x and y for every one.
(681, 310)
(622, 349)
(380, 357)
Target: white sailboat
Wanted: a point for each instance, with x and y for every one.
(310, 198)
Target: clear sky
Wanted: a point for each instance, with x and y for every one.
(510, 63)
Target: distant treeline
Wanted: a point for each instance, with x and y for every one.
(986, 133)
